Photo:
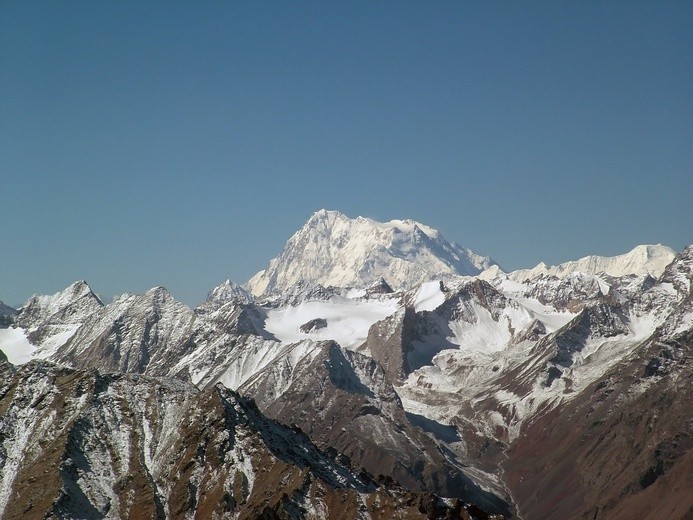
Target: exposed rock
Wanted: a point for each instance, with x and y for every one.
(643, 429)
(343, 400)
(124, 446)
(390, 339)
(313, 325)
(7, 314)
(379, 287)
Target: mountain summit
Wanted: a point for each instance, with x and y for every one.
(333, 249)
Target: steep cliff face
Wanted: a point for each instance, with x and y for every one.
(390, 340)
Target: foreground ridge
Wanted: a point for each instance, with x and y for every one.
(118, 446)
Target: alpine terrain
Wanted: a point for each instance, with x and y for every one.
(371, 370)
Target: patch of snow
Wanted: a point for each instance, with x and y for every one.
(242, 460)
(16, 346)
(53, 343)
(355, 293)
(488, 335)
(685, 323)
(551, 318)
(257, 355)
(428, 297)
(22, 428)
(348, 320)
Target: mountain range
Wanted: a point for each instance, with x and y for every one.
(370, 370)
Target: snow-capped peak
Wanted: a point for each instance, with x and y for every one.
(48, 305)
(228, 291)
(6, 310)
(641, 260)
(332, 249)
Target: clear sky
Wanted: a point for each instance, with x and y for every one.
(182, 143)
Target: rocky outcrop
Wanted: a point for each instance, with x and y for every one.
(313, 325)
(7, 315)
(390, 339)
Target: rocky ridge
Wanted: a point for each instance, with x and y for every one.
(125, 446)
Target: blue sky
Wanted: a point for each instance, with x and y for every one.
(182, 143)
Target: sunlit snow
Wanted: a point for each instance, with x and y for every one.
(428, 297)
(16, 346)
(348, 320)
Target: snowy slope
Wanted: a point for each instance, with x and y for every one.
(45, 323)
(16, 346)
(346, 320)
(334, 250)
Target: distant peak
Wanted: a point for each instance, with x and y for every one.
(229, 291)
(326, 214)
(652, 250)
(74, 291)
(6, 310)
(79, 287)
(323, 212)
(159, 292)
(332, 249)
(641, 260)
(158, 289)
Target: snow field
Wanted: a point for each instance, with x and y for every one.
(348, 320)
(16, 346)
